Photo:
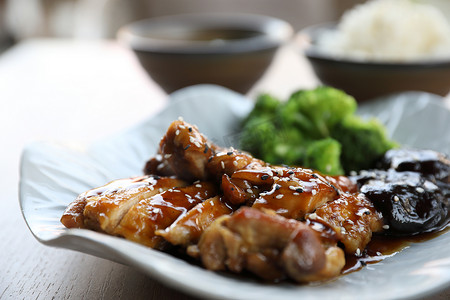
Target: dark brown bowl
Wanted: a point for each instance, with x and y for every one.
(231, 50)
(366, 80)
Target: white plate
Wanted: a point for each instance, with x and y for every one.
(52, 175)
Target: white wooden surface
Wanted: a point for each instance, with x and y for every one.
(81, 91)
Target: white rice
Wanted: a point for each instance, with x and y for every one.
(389, 30)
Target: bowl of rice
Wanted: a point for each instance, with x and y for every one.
(382, 47)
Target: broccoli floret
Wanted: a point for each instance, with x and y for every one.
(363, 142)
(266, 106)
(324, 155)
(287, 147)
(316, 111)
(258, 136)
(315, 129)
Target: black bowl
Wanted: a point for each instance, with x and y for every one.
(365, 80)
(231, 50)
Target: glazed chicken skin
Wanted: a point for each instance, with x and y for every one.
(158, 212)
(270, 246)
(186, 153)
(353, 217)
(186, 230)
(103, 208)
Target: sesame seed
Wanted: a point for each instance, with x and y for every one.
(264, 177)
(198, 185)
(190, 129)
(206, 148)
(396, 198)
(277, 187)
(222, 164)
(276, 178)
(290, 172)
(299, 190)
(191, 139)
(229, 152)
(295, 194)
(314, 175)
(182, 126)
(312, 216)
(379, 253)
(249, 191)
(358, 252)
(279, 196)
(187, 147)
(167, 156)
(151, 188)
(420, 190)
(386, 227)
(313, 192)
(197, 144)
(161, 190)
(291, 187)
(235, 163)
(177, 132)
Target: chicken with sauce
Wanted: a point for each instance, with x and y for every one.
(233, 211)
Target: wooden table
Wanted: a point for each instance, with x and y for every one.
(82, 91)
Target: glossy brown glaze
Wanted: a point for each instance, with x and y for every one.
(382, 246)
(160, 211)
(295, 192)
(186, 151)
(268, 245)
(187, 229)
(102, 208)
(354, 217)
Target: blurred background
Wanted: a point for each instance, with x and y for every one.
(95, 19)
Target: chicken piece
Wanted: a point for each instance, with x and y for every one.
(294, 192)
(160, 211)
(269, 246)
(73, 216)
(187, 230)
(102, 208)
(342, 183)
(188, 154)
(228, 161)
(354, 217)
(186, 151)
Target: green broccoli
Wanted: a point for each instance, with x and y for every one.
(315, 129)
(363, 142)
(324, 155)
(316, 111)
(258, 135)
(266, 106)
(287, 147)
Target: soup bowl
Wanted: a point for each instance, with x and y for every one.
(231, 50)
